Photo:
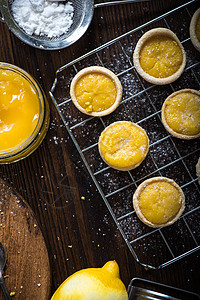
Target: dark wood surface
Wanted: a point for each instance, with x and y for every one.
(27, 272)
(80, 233)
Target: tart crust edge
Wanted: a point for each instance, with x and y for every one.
(198, 170)
(136, 56)
(192, 29)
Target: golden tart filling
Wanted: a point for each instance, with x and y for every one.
(159, 56)
(181, 114)
(96, 91)
(158, 202)
(123, 145)
(195, 29)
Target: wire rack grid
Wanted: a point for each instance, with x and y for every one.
(168, 156)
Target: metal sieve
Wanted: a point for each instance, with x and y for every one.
(83, 13)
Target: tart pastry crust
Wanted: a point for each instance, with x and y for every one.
(166, 125)
(193, 36)
(198, 170)
(140, 189)
(124, 146)
(98, 70)
(156, 32)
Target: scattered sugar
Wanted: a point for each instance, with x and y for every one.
(54, 20)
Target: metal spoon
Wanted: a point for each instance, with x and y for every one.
(2, 265)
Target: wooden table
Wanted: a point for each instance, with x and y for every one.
(80, 233)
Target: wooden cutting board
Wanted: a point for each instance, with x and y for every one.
(27, 271)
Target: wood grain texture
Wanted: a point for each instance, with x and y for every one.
(27, 272)
(80, 233)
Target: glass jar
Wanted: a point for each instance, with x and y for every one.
(30, 144)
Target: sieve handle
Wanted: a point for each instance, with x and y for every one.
(118, 2)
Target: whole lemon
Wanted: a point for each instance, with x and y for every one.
(93, 284)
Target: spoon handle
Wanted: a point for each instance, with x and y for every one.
(5, 291)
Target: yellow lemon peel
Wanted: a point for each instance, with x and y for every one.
(93, 283)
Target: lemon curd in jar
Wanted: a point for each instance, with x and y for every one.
(161, 56)
(24, 114)
(19, 110)
(95, 92)
(182, 112)
(159, 202)
(123, 145)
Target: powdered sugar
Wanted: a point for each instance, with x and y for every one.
(37, 5)
(54, 20)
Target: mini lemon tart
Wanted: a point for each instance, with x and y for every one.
(181, 114)
(96, 91)
(195, 29)
(159, 56)
(123, 145)
(159, 202)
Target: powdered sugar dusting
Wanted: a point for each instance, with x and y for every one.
(52, 20)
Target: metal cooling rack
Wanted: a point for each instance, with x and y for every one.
(168, 156)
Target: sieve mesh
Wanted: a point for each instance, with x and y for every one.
(83, 12)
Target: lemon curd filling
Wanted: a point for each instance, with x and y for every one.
(160, 56)
(19, 110)
(159, 202)
(124, 144)
(95, 92)
(182, 113)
